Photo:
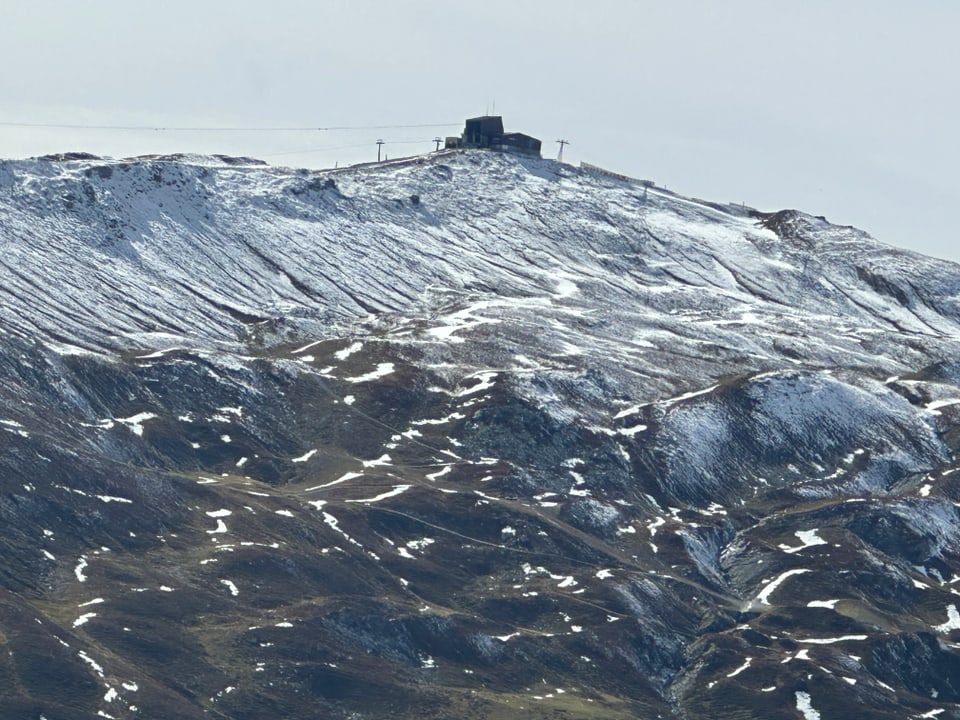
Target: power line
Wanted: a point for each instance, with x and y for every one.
(325, 148)
(331, 148)
(144, 128)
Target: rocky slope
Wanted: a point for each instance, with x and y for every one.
(466, 436)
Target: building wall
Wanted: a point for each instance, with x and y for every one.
(487, 132)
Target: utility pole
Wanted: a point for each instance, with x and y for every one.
(560, 154)
(379, 145)
(437, 141)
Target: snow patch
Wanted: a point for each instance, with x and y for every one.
(306, 347)
(335, 526)
(566, 288)
(97, 667)
(348, 351)
(829, 604)
(804, 706)
(933, 407)
(486, 382)
(741, 668)
(764, 596)
(341, 479)
(220, 529)
(78, 570)
(82, 620)
(439, 474)
(113, 498)
(809, 538)
(831, 641)
(397, 490)
(953, 620)
(383, 369)
(687, 396)
(379, 462)
(135, 422)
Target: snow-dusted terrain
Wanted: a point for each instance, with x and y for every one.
(468, 435)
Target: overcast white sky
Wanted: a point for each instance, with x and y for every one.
(843, 108)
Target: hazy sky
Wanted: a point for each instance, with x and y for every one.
(843, 108)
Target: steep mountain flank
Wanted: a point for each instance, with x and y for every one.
(469, 435)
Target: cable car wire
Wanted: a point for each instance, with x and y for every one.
(148, 128)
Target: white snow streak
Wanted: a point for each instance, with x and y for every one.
(809, 538)
(383, 369)
(97, 667)
(82, 620)
(804, 706)
(220, 529)
(953, 620)
(397, 490)
(347, 351)
(764, 595)
(135, 422)
(831, 641)
(741, 668)
(379, 462)
(341, 479)
(78, 570)
(486, 382)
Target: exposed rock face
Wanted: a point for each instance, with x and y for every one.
(468, 436)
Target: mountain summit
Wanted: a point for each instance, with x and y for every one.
(470, 435)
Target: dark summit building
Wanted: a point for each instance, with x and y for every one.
(487, 132)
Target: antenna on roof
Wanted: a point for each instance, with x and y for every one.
(379, 145)
(560, 154)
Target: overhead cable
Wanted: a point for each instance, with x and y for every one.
(328, 148)
(143, 128)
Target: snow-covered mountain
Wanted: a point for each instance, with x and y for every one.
(469, 435)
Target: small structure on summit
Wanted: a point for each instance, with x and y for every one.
(487, 132)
